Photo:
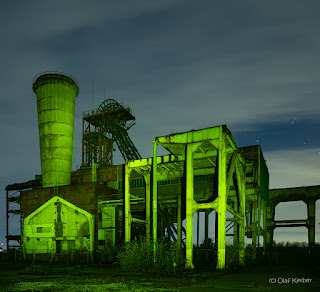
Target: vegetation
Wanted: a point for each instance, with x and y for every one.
(108, 254)
(138, 255)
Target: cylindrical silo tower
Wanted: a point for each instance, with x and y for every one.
(56, 93)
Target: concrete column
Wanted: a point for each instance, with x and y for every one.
(148, 221)
(270, 223)
(127, 212)
(206, 226)
(179, 221)
(222, 206)
(311, 222)
(189, 207)
(154, 199)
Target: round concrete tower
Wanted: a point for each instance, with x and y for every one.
(56, 93)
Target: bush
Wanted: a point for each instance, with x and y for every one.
(108, 254)
(232, 257)
(139, 256)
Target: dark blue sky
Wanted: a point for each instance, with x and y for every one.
(180, 65)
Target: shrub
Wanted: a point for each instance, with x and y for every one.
(139, 256)
(232, 257)
(108, 254)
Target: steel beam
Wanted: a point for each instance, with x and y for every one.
(179, 221)
(290, 221)
(236, 224)
(270, 223)
(311, 222)
(137, 220)
(189, 207)
(237, 215)
(148, 199)
(259, 219)
(292, 225)
(202, 206)
(154, 199)
(127, 216)
(254, 228)
(241, 181)
(222, 195)
(264, 207)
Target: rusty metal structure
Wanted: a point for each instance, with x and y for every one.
(101, 128)
(103, 204)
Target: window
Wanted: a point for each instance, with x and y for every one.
(44, 229)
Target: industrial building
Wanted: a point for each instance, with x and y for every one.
(74, 214)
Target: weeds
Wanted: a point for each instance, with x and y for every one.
(108, 254)
(139, 256)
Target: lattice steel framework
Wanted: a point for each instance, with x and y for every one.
(104, 126)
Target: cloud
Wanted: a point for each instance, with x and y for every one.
(293, 168)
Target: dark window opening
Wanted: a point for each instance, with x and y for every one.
(58, 246)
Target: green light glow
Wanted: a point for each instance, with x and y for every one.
(56, 102)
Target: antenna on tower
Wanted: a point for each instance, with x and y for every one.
(92, 92)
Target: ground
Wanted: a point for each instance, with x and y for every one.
(46, 277)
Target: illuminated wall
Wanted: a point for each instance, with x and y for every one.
(58, 227)
(56, 95)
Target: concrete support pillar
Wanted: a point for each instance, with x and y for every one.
(179, 221)
(270, 224)
(222, 206)
(311, 205)
(189, 207)
(154, 199)
(127, 212)
(148, 205)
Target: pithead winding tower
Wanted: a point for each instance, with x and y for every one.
(56, 95)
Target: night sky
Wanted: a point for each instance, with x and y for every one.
(180, 65)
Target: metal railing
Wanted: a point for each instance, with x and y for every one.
(56, 73)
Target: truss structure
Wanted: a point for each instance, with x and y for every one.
(101, 128)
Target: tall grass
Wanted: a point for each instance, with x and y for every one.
(138, 255)
(108, 254)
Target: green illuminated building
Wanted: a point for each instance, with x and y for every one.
(75, 214)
